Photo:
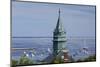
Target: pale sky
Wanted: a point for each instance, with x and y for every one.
(40, 19)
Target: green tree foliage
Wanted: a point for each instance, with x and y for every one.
(24, 60)
(57, 60)
(14, 63)
(88, 59)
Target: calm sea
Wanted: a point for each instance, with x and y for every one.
(78, 47)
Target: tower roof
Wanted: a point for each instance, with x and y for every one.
(59, 26)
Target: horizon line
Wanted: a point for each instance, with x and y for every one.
(45, 36)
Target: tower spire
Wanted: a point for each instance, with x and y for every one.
(59, 12)
(59, 26)
(59, 41)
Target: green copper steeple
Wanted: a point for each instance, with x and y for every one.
(59, 37)
(59, 26)
(59, 42)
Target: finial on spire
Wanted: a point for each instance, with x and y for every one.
(59, 11)
(59, 26)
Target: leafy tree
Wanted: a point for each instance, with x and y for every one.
(14, 63)
(88, 59)
(57, 60)
(24, 60)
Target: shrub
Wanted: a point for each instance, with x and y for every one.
(14, 63)
(25, 61)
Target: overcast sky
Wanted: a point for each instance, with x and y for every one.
(40, 19)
